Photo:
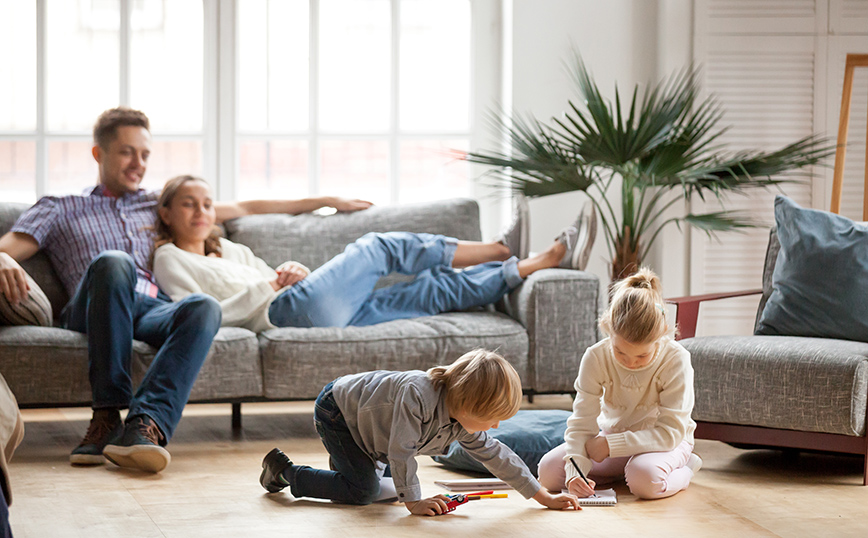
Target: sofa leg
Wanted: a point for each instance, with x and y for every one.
(236, 418)
(865, 469)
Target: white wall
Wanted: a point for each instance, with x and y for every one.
(620, 40)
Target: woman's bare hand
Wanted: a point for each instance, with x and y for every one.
(289, 273)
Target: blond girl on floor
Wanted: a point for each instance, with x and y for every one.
(634, 397)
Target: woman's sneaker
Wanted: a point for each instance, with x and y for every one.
(579, 239)
(516, 236)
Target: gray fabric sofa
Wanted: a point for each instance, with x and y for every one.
(542, 327)
(777, 391)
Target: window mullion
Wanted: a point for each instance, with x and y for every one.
(313, 100)
(41, 68)
(394, 147)
(125, 53)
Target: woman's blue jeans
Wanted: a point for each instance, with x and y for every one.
(107, 308)
(341, 292)
(354, 478)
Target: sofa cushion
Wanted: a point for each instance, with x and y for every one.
(231, 370)
(45, 365)
(796, 383)
(314, 239)
(48, 366)
(38, 266)
(823, 258)
(297, 363)
(530, 434)
(33, 309)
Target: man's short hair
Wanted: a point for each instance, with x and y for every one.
(106, 127)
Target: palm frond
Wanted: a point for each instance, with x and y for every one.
(663, 143)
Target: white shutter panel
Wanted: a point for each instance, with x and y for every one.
(765, 17)
(854, 163)
(766, 87)
(848, 16)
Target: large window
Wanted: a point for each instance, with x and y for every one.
(265, 98)
(74, 59)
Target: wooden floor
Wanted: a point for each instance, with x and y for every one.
(211, 490)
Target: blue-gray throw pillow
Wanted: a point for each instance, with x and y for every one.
(821, 276)
(530, 434)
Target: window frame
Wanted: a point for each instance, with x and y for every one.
(219, 136)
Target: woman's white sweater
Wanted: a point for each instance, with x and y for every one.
(239, 280)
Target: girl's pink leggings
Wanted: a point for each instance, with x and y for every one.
(652, 475)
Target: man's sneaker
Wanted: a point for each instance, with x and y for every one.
(579, 239)
(105, 426)
(516, 236)
(273, 465)
(140, 446)
(694, 463)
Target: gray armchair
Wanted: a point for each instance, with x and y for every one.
(776, 391)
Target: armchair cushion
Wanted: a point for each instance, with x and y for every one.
(821, 269)
(791, 383)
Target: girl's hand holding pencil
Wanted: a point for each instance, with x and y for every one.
(580, 489)
(581, 486)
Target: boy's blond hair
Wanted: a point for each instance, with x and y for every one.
(480, 383)
(636, 312)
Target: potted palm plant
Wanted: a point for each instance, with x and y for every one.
(661, 149)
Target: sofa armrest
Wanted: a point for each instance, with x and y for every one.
(687, 309)
(559, 309)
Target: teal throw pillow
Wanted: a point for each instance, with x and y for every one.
(820, 278)
(530, 434)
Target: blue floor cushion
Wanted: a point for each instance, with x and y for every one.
(530, 434)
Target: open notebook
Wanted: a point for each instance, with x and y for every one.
(604, 497)
(472, 484)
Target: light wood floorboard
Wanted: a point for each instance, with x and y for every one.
(211, 490)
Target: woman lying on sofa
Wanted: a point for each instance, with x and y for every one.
(190, 257)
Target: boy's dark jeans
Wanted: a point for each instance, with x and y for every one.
(354, 478)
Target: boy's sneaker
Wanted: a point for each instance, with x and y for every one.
(140, 446)
(273, 465)
(516, 236)
(694, 463)
(579, 239)
(105, 427)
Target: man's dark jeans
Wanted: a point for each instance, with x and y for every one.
(107, 308)
(354, 478)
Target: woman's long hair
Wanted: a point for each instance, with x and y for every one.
(162, 233)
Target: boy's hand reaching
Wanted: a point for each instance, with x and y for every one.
(433, 506)
(560, 501)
